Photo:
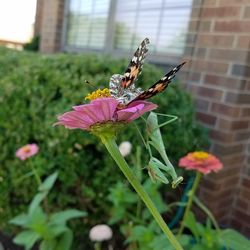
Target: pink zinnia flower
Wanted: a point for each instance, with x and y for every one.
(200, 161)
(101, 111)
(27, 151)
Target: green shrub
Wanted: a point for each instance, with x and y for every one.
(33, 45)
(34, 89)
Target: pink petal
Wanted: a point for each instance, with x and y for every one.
(135, 110)
(99, 110)
(75, 119)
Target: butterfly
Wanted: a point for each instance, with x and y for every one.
(122, 87)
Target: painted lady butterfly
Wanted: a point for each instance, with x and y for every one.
(122, 87)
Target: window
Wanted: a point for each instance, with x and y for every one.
(164, 22)
(87, 23)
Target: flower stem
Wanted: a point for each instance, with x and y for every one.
(111, 146)
(207, 211)
(35, 173)
(190, 200)
(97, 246)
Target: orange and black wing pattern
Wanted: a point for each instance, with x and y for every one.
(135, 65)
(160, 85)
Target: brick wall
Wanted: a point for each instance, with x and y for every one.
(218, 76)
(39, 16)
(51, 25)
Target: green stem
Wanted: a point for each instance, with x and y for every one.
(97, 246)
(37, 177)
(206, 211)
(39, 183)
(190, 201)
(111, 146)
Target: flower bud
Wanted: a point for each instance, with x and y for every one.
(100, 233)
(125, 148)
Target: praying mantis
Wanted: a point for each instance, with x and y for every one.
(158, 170)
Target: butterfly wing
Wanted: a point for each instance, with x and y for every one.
(135, 65)
(160, 85)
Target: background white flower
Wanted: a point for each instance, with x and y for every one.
(125, 148)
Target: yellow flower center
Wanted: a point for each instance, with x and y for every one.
(200, 155)
(100, 93)
(26, 149)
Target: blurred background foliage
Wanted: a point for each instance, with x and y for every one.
(34, 89)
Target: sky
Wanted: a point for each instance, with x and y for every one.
(17, 18)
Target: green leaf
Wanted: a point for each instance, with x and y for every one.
(234, 240)
(27, 239)
(36, 202)
(48, 245)
(65, 241)
(20, 220)
(48, 182)
(56, 230)
(37, 220)
(64, 216)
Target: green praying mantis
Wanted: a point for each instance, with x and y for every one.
(159, 170)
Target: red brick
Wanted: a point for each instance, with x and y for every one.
(228, 55)
(212, 40)
(194, 76)
(236, 224)
(232, 2)
(210, 2)
(226, 172)
(247, 85)
(232, 160)
(224, 124)
(201, 105)
(237, 125)
(243, 42)
(221, 12)
(242, 136)
(221, 136)
(224, 81)
(206, 118)
(247, 12)
(199, 25)
(207, 92)
(215, 67)
(241, 215)
(245, 193)
(232, 26)
(233, 180)
(242, 204)
(195, 12)
(200, 52)
(237, 98)
(246, 182)
(211, 185)
(245, 112)
(246, 231)
(225, 109)
(227, 150)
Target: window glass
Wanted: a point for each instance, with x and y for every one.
(87, 23)
(164, 22)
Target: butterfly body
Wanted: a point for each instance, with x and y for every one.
(122, 87)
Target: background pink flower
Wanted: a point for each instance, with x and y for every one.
(200, 161)
(102, 110)
(27, 151)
